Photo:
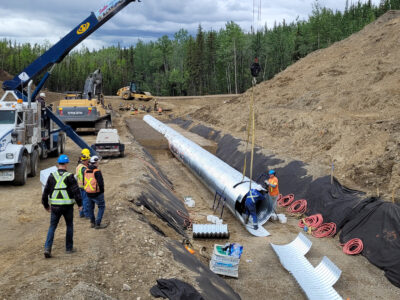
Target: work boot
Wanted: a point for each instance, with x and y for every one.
(92, 225)
(47, 253)
(70, 251)
(101, 226)
(255, 227)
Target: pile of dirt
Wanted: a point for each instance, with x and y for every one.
(337, 106)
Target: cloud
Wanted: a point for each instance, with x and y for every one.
(35, 21)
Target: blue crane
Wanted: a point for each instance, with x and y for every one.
(56, 54)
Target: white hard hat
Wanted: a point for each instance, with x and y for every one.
(94, 159)
(42, 95)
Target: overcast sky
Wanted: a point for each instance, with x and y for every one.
(37, 21)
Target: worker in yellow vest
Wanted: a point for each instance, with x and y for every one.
(62, 192)
(83, 163)
(94, 186)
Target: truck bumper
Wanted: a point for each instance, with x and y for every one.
(7, 172)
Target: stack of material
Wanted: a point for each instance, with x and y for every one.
(210, 231)
(226, 262)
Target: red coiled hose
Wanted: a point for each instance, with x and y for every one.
(354, 246)
(325, 230)
(298, 207)
(285, 200)
(312, 222)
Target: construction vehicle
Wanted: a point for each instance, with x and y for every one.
(108, 143)
(28, 130)
(87, 109)
(133, 92)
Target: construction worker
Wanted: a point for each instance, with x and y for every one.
(62, 191)
(273, 187)
(94, 187)
(80, 169)
(41, 100)
(252, 198)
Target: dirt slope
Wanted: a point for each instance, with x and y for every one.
(339, 104)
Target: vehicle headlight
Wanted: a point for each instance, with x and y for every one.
(9, 156)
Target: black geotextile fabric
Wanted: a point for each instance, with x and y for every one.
(174, 289)
(334, 201)
(375, 222)
(161, 201)
(211, 286)
(164, 204)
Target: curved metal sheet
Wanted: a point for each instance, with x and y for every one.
(215, 174)
(316, 282)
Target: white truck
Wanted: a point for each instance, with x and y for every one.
(108, 143)
(26, 134)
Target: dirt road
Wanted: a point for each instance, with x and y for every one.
(130, 252)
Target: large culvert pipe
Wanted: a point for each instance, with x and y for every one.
(215, 174)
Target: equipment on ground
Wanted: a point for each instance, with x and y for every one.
(27, 131)
(87, 109)
(108, 143)
(132, 92)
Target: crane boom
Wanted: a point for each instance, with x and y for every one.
(58, 51)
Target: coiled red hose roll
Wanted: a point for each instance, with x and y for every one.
(298, 207)
(325, 230)
(285, 200)
(313, 221)
(354, 246)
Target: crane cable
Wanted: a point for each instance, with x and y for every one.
(250, 130)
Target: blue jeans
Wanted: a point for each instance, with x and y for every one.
(85, 210)
(251, 209)
(99, 200)
(56, 212)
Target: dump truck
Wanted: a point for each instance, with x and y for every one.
(87, 109)
(132, 92)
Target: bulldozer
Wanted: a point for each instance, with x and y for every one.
(87, 109)
(132, 92)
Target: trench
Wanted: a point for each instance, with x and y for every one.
(187, 184)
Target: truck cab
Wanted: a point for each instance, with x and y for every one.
(25, 136)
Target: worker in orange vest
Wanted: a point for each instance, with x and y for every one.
(94, 186)
(273, 187)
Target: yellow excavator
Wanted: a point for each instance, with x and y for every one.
(87, 109)
(132, 92)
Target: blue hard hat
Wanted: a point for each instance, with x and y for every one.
(63, 159)
(271, 172)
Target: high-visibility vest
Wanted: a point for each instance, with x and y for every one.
(79, 174)
(253, 195)
(273, 191)
(60, 195)
(90, 183)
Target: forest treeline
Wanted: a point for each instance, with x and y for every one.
(211, 62)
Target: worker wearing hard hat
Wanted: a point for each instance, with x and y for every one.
(252, 198)
(273, 187)
(62, 192)
(41, 100)
(83, 163)
(94, 186)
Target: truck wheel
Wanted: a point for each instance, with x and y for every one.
(63, 145)
(60, 147)
(126, 95)
(108, 124)
(122, 153)
(21, 171)
(34, 163)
